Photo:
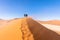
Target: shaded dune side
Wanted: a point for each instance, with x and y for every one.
(40, 32)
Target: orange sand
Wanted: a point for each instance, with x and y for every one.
(26, 29)
(54, 22)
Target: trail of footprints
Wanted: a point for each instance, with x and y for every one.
(25, 31)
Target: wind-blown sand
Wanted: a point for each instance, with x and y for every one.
(26, 29)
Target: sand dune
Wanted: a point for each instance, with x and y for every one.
(54, 28)
(26, 29)
(2, 21)
(54, 22)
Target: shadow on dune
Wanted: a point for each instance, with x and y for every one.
(40, 32)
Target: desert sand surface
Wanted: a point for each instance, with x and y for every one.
(54, 28)
(54, 22)
(2, 21)
(28, 29)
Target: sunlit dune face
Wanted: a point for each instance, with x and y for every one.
(28, 29)
(53, 25)
(54, 28)
(11, 31)
(53, 22)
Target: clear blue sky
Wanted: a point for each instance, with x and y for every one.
(38, 9)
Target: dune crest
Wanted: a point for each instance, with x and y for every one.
(26, 33)
(26, 29)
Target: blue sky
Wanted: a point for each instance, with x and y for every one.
(37, 9)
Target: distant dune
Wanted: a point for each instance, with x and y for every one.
(26, 29)
(54, 22)
(2, 21)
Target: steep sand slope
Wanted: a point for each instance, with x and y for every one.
(26, 29)
(40, 32)
(54, 28)
(54, 22)
(11, 30)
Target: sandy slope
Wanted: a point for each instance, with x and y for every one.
(54, 22)
(54, 28)
(26, 29)
(2, 21)
(15, 30)
(11, 31)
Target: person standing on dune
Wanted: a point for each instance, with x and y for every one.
(25, 15)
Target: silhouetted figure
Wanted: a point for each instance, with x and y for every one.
(25, 15)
